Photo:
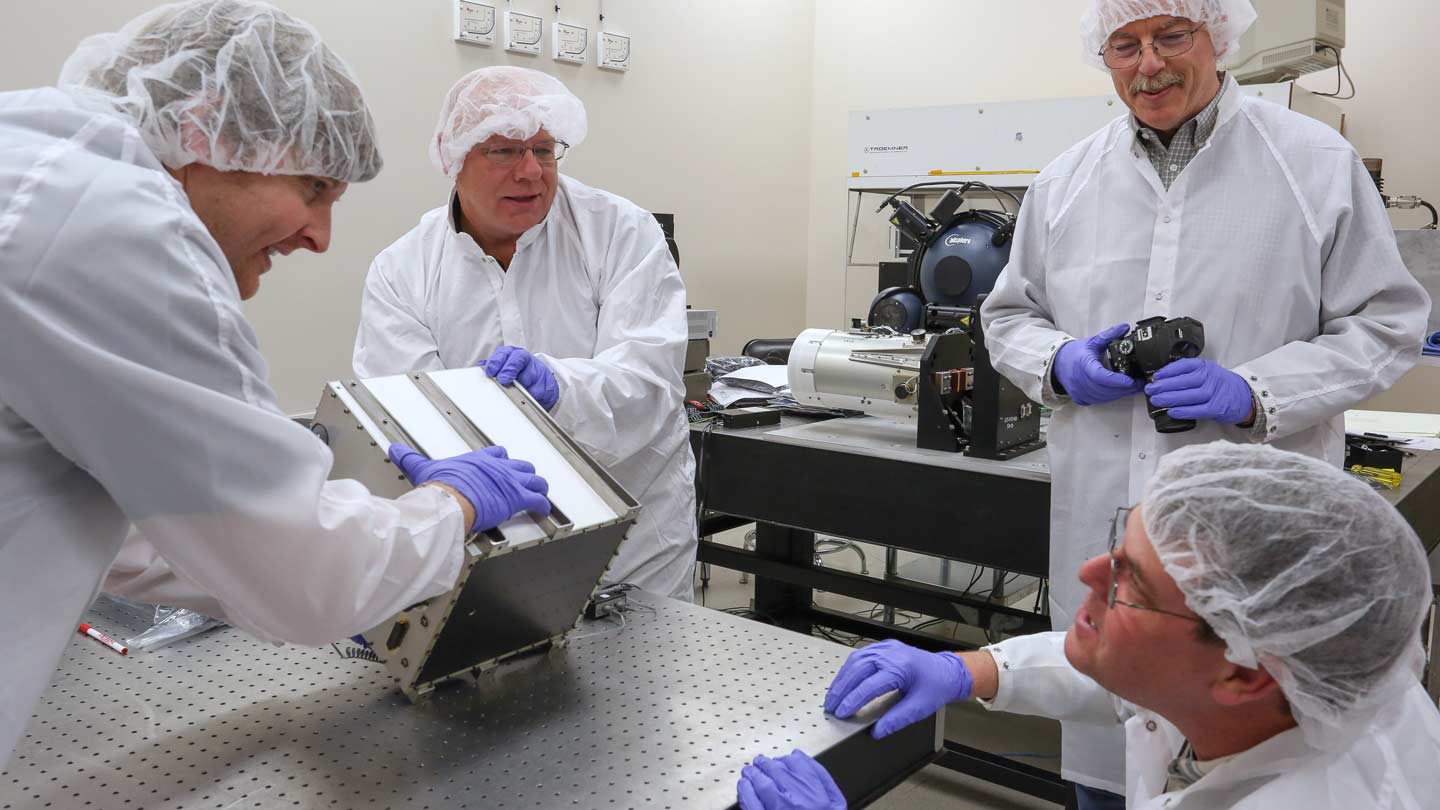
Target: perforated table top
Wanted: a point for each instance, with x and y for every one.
(660, 713)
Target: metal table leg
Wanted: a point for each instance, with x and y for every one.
(787, 605)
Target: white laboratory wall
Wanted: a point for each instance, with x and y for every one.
(1390, 52)
(711, 123)
(873, 54)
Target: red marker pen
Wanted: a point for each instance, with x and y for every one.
(104, 639)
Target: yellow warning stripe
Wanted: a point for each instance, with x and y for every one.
(943, 173)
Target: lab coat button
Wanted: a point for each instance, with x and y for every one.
(1167, 218)
(1150, 725)
(1142, 456)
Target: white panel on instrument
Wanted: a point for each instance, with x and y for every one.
(343, 394)
(486, 404)
(436, 439)
(408, 406)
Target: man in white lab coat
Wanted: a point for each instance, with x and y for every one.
(1258, 222)
(1255, 626)
(142, 200)
(568, 289)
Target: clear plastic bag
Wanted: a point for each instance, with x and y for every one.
(166, 625)
(171, 625)
(718, 367)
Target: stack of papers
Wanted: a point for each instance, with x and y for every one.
(1420, 431)
(755, 385)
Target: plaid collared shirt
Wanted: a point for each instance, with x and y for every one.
(1170, 160)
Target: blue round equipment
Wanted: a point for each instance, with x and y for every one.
(962, 262)
(899, 308)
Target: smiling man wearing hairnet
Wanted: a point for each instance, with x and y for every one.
(567, 289)
(1254, 625)
(1202, 202)
(143, 198)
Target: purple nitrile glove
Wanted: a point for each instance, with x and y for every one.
(1085, 379)
(791, 782)
(926, 682)
(497, 486)
(511, 363)
(1201, 389)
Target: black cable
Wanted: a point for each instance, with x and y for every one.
(960, 186)
(361, 653)
(979, 572)
(835, 636)
(747, 613)
(1340, 70)
(700, 475)
(1434, 217)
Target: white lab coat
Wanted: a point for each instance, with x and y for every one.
(132, 391)
(1274, 237)
(594, 293)
(1391, 763)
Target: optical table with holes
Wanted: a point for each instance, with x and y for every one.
(660, 712)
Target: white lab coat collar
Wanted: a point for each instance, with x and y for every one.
(1148, 768)
(1230, 104)
(1229, 91)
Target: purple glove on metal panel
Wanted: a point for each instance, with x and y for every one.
(793, 782)
(1085, 379)
(495, 484)
(511, 363)
(926, 682)
(1201, 389)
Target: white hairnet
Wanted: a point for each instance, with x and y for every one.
(512, 102)
(1300, 568)
(1226, 20)
(232, 84)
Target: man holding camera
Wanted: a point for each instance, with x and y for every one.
(1202, 203)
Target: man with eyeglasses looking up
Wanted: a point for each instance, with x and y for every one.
(1258, 222)
(1254, 625)
(567, 289)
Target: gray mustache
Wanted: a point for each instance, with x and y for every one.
(1156, 83)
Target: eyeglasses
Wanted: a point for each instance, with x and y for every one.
(546, 153)
(1126, 53)
(1117, 536)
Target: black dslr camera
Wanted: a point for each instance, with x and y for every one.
(1150, 346)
